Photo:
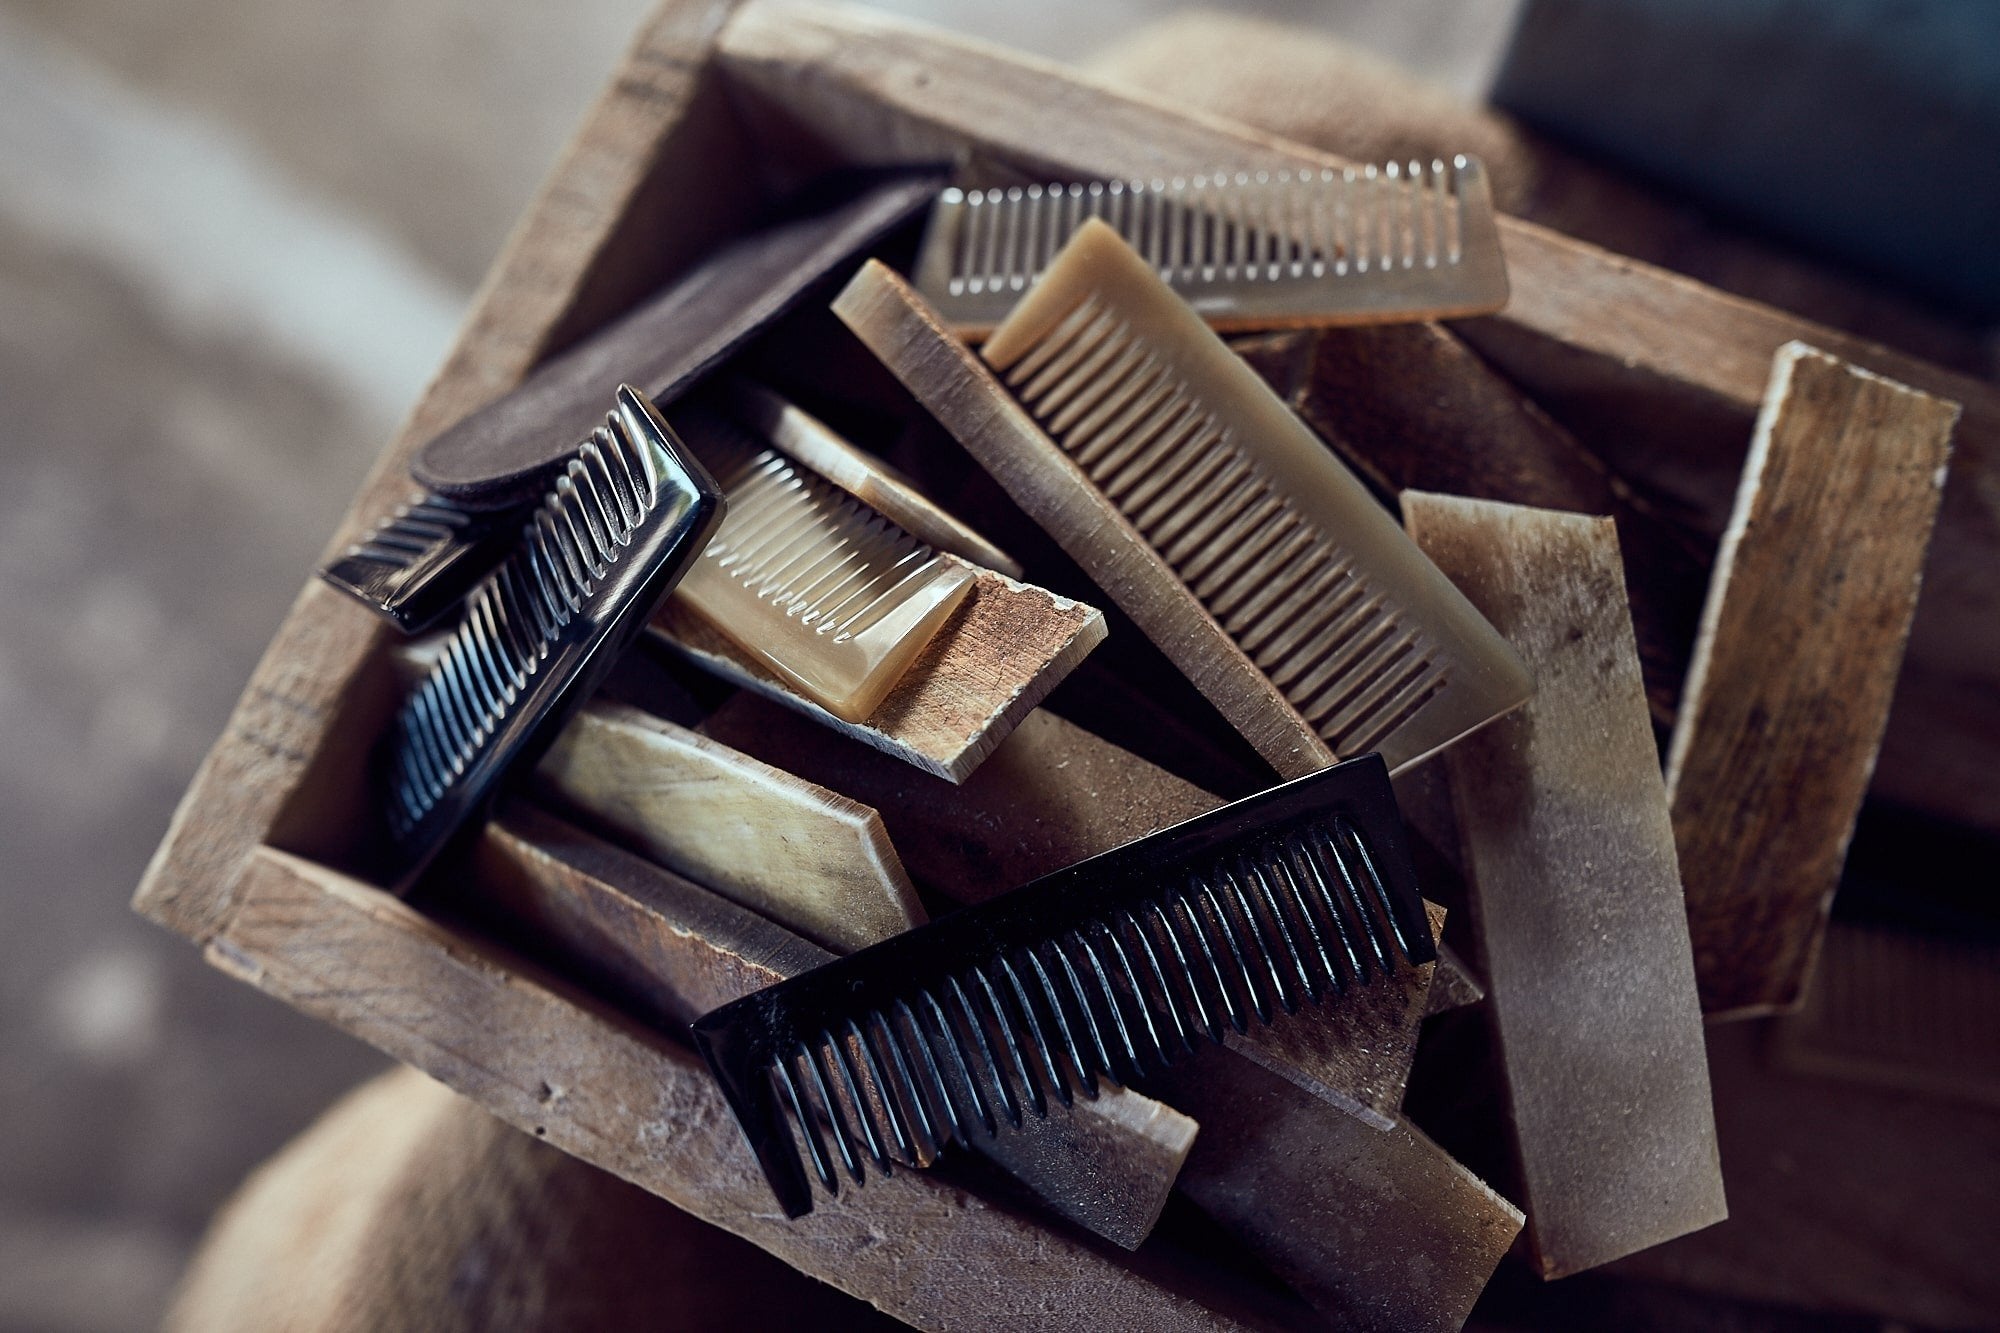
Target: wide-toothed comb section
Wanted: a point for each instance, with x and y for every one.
(421, 560)
(1277, 247)
(514, 617)
(621, 523)
(1104, 971)
(410, 531)
(1278, 542)
(826, 592)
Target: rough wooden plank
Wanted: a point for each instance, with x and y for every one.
(1668, 372)
(1843, 1198)
(588, 241)
(1053, 795)
(917, 1246)
(1410, 408)
(675, 950)
(1380, 1229)
(1801, 641)
(958, 389)
(999, 655)
(1901, 1010)
(806, 857)
(1576, 895)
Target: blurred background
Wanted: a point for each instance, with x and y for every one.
(234, 242)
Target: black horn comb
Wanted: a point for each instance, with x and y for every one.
(1099, 971)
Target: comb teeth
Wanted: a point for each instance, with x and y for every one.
(591, 562)
(421, 559)
(1291, 598)
(1290, 555)
(1121, 964)
(831, 595)
(1270, 248)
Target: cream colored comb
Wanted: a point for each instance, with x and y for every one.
(830, 595)
(1277, 540)
(1365, 244)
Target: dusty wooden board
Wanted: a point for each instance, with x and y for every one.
(568, 1071)
(1053, 795)
(1379, 1229)
(1576, 895)
(1844, 1198)
(1663, 370)
(958, 389)
(1410, 408)
(808, 858)
(1905, 1011)
(676, 951)
(588, 245)
(1005, 647)
(1789, 690)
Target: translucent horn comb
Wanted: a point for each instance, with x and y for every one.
(1409, 240)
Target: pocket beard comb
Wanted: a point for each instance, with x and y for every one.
(1360, 245)
(595, 559)
(1280, 544)
(1099, 970)
(818, 587)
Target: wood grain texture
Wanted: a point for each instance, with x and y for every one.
(586, 243)
(1801, 641)
(1053, 795)
(958, 389)
(808, 858)
(1900, 1010)
(1005, 647)
(1409, 407)
(1576, 895)
(673, 951)
(1660, 374)
(569, 1071)
(1379, 1229)
(1844, 1198)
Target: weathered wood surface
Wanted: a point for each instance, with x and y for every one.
(1659, 374)
(1053, 795)
(569, 1071)
(675, 951)
(1380, 1229)
(1576, 895)
(806, 857)
(1789, 689)
(1454, 985)
(1410, 408)
(1005, 647)
(1901, 1010)
(958, 389)
(1843, 1198)
(407, 1207)
(590, 244)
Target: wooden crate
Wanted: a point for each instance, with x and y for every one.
(716, 109)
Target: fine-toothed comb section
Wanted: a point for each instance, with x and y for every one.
(823, 590)
(1264, 250)
(421, 560)
(594, 560)
(1115, 966)
(1284, 548)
